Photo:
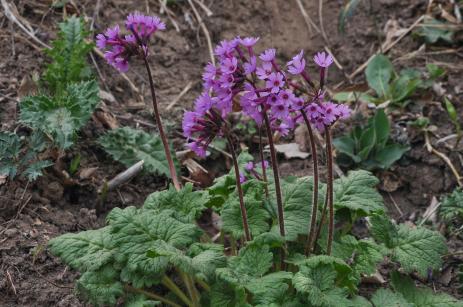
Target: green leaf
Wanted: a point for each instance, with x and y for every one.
(69, 56)
(433, 30)
(364, 255)
(378, 73)
(419, 249)
(402, 88)
(346, 145)
(297, 204)
(34, 170)
(367, 142)
(421, 297)
(382, 128)
(390, 154)
(451, 111)
(452, 206)
(383, 230)
(269, 288)
(129, 146)
(387, 298)
(140, 300)
(85, 251)
(186, 204)
(256, 214)
(225, 295)
(346, 13)
(101, 287)
(317, 285)
(353, 96)
(136, 232)
(61, 116)
(357, 192)
(435, 71)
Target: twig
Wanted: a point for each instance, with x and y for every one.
(10, 15)
(11, 282)
(204, 8)
(179, 96)
(203, 27)
(443, 157)
(320, 19)
(169, 14)
(395, 204)
(307, 19)
(386, 48)
(123, 177)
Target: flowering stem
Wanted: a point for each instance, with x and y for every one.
(244, 215)
(313, 220)
(173, 172)
(262, 161)
(329, 155)
(276, 175)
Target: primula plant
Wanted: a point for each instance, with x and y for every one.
(278, 244)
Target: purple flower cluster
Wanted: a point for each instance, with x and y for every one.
(263, 89)
(120, 48)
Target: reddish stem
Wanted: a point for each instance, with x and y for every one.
(329, 155)
(165, 143)
(244, 215)
(313, 220)
(261, 153)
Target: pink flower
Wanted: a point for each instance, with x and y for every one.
(323, 59)
(268, 55)
(198, 148)
(250, 67)
(249, 41)
(264, 71)
(275, 82)
(229, 65)
(297, 65)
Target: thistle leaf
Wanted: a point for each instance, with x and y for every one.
(129, 146)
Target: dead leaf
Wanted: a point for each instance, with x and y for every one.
(291, 150)
(198, 173)
(446, 276)
(107, 119)
(301, 137)
(392, 30)
(375, 278)
(107, 97)
(27, 87)
(389, 182)
(431, 211)
(87, 172)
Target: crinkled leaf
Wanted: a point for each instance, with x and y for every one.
(140, 300)
(186, 203)
(128, 146)
(387, 298)
(101, 287)
(270, 288)
(452, 206)
(421, 297)
(85, 251)
(383, 230)
(136, 231)
(317, 284)
(357, 192)
(419, 249)
(364, 255)
(225, 295)
(256, 214)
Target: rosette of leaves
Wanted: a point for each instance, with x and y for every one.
(369, 147)
(128, 146)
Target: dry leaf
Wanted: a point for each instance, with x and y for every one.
(27, 87)
(291, 150)
(87, 172)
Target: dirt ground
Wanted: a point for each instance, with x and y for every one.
(32, 214)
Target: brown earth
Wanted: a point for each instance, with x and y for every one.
(31, 215)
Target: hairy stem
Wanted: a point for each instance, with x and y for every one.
(151, 295)
(165, 143)
(313, 220)
(244, 215)
(329, 157)
(190, 287)
(322, 219)
(203, 284)
(166, 281)
(276, 176)
(261, 154)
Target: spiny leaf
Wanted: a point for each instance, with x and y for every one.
(357, 192)
(35, 169)
(186, 204)
(69, 52)
(85, 251)
(101, 287)
(129, 146)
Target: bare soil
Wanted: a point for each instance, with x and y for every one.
(32, 214)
